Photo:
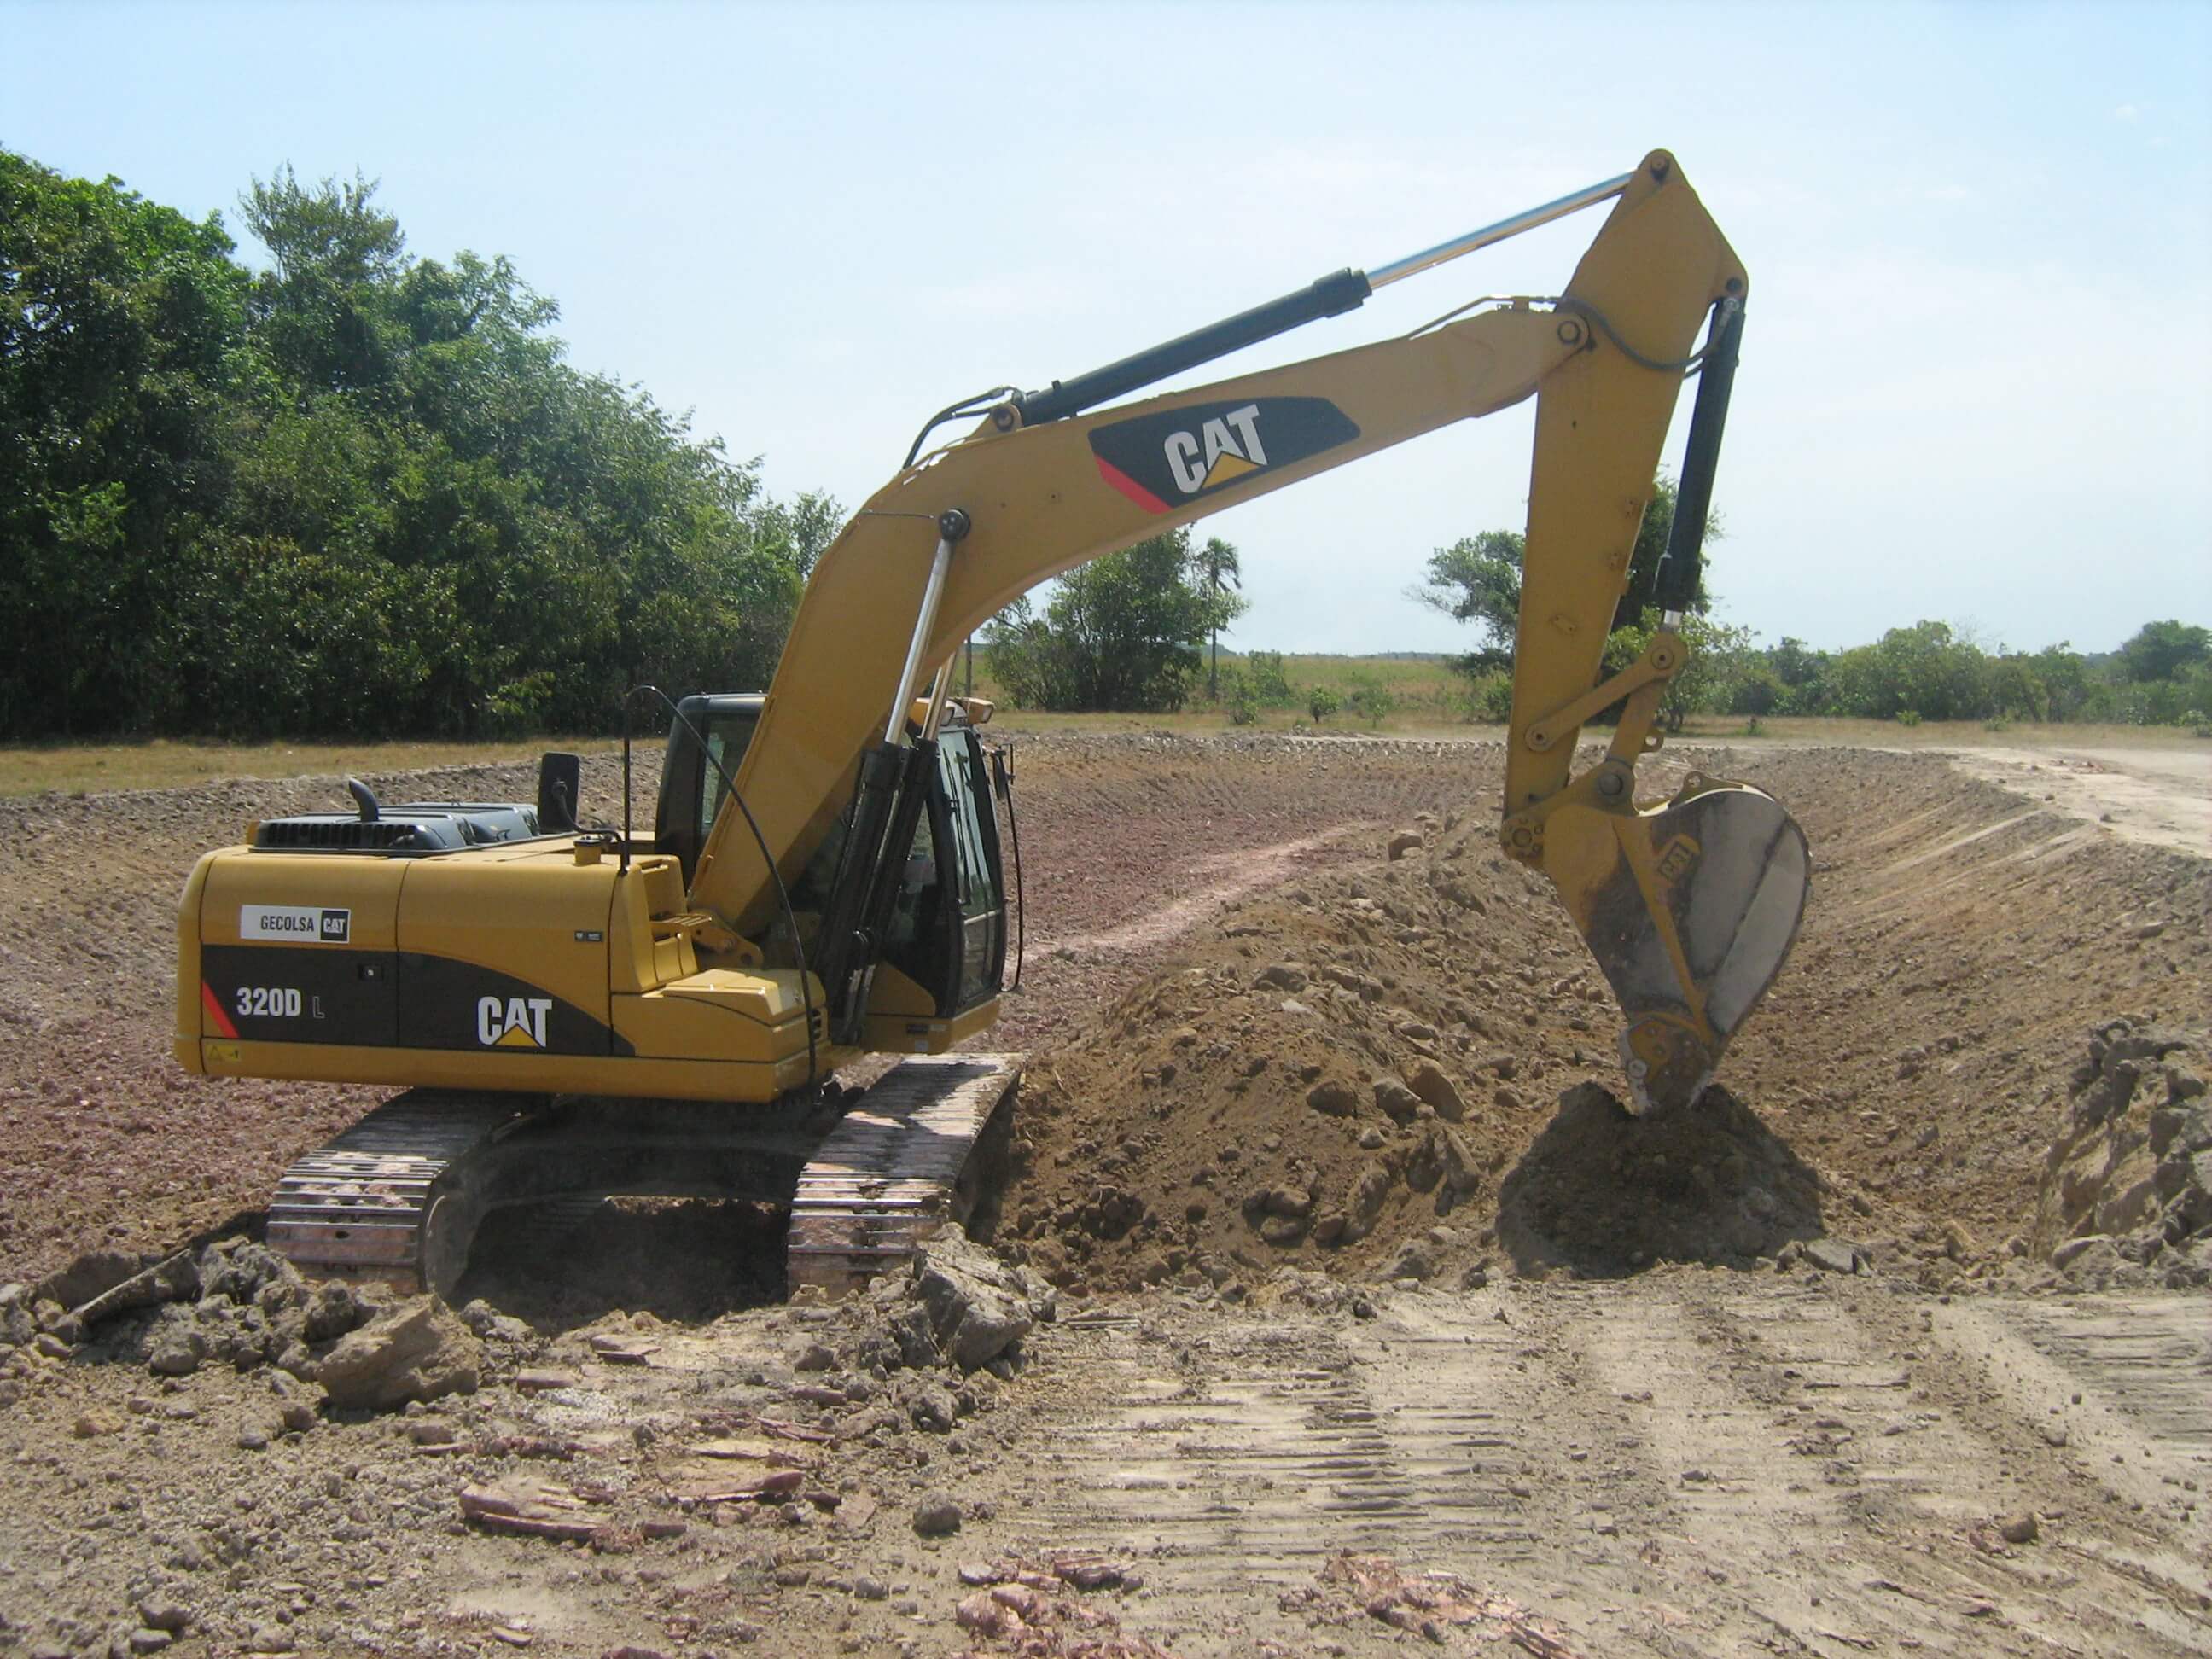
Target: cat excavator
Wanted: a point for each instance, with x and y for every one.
(574, 1013)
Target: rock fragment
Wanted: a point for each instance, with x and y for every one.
(417, 1350)
(1833, 1256)
(937, 1515)
(1427, 1080)
(1333, 1098)
(978, 1306)
(1396, 1099)
(92, 1275)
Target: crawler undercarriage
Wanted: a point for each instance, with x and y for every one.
(398, 1197)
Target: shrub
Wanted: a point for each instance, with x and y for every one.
(1908, 717)
(1490, 698)
(1322, 702)
(1268, 685)
(1370, 699)
(1236, 698)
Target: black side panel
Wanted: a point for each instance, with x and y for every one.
(1163, 462)
(444, 1004)
(300, 994)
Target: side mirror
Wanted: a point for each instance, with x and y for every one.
(560, 777)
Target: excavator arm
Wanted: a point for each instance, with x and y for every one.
(1683, 905)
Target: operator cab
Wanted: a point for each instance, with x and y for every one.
(944, 933)
(692, 789)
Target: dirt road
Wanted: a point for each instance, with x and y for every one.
(2155, 797)
(1586, 1390)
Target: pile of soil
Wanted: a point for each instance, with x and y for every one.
(1363, 1071)
(1374, 1071)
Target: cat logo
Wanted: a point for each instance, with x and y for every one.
(1677, 857)
(1163, 462)
(512, 1021)
(1226, 457)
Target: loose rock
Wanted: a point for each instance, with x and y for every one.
(937, 1516)
(418, 1351)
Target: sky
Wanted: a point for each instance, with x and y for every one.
(1976, 375)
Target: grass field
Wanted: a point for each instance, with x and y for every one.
(1425, 692)
(1427, 695)
(167, 763)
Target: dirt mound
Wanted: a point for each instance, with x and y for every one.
(1269, 1096)
(1341, 1068)
(2127, 1193)
(1606, 1192)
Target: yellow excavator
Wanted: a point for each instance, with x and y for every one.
(575, 1013)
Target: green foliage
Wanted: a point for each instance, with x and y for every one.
(1223, 571)
(1122, 632)
(1491, 696)
(1908, 717)
(1478, 579)
(1370, 699)
(2165, 651)
(1237, 697)
(1268, 683)
(1322, 701)
(1933, 671)
(1755, 688)
(355, 492)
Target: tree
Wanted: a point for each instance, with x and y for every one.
(118, 320)
(1219, 560)
(1121, 632)
(336, 257)
(1478, 579)
(355, 491)
(806, 528)
(2162, 650)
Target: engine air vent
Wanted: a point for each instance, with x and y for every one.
(411, 831)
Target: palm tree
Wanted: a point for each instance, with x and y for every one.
(1219, 562)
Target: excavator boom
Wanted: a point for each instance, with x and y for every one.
(1037, 488)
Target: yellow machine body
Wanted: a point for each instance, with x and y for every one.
(524, 967)
(551, 964)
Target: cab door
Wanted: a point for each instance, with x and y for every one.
(945, 932)
(970, 844)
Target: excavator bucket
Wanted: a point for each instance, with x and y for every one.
(1690, 908)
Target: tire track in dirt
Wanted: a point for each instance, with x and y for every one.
(1687, 1463)
(1227, 876)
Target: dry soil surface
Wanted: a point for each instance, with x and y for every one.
(1562, 1382)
